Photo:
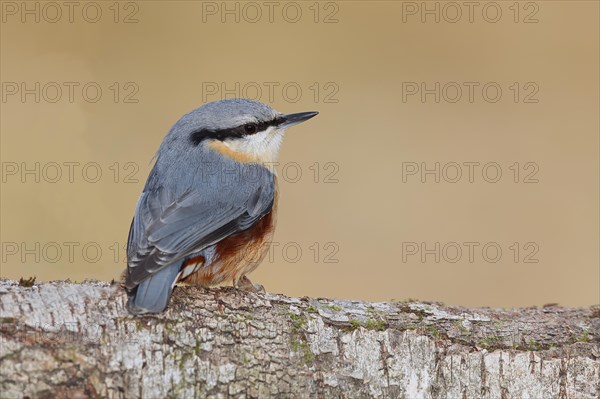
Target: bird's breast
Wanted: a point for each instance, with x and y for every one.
(238, 254)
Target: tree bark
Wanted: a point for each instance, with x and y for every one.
(67, 340)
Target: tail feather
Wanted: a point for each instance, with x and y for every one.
(152, 295)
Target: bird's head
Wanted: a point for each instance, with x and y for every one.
(246, 130)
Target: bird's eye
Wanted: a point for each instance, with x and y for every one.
(250, 128)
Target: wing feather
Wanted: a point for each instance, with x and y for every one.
(168, 227)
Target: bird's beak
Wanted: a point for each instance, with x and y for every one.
(294, 119)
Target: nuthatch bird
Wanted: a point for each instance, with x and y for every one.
(208, 208)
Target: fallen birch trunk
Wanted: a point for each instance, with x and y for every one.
(69, 340)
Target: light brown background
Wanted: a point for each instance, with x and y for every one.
(368, 133)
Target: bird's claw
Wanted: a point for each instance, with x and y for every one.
(245, 284)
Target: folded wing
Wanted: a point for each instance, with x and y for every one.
(168, 227)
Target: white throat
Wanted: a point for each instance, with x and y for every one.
(262, 146)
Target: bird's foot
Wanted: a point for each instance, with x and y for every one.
(245, 284)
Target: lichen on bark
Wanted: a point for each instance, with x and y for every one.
(61, 339)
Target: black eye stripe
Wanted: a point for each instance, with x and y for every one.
(236, 132)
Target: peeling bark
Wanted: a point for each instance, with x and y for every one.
(68, 340)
